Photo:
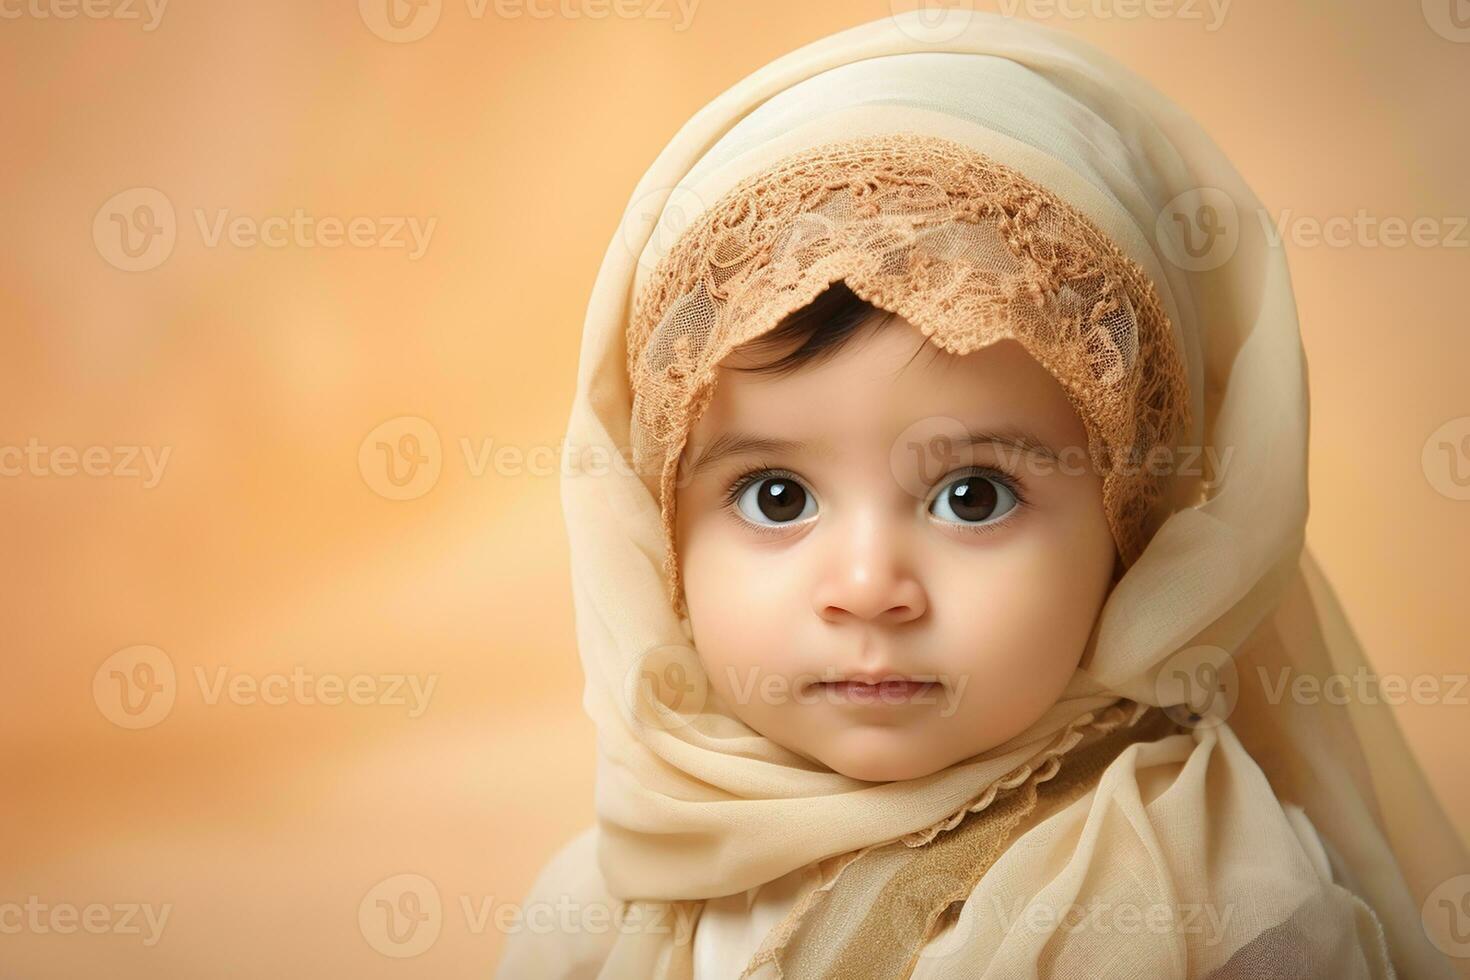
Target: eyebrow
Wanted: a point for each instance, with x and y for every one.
(741, 444)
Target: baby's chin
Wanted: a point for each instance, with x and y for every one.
(884, 754)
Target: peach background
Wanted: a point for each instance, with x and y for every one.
(263, 548)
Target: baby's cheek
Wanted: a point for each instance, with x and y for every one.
(1016, 643)
(741, 651)
(742, 600)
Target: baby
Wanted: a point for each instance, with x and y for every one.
(882, 630)
(893, 556)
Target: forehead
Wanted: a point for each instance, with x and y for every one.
(883, 380)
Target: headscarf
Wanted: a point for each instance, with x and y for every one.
(1220, 598)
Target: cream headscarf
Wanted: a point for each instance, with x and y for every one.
(693, 805)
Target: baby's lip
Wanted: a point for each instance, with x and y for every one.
(875, 680)
(889, 691)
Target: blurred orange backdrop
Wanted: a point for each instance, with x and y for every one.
(364, 687)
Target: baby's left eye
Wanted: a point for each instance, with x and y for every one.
(774, 500)
(973, 499)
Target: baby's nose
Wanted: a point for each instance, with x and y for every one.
(867, 576)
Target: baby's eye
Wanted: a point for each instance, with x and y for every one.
(775, 499)
(974, 499)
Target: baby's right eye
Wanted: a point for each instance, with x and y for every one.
(772, 499)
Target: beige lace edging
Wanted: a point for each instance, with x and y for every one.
(1044, 767)
(1039, 769)
(968, 250)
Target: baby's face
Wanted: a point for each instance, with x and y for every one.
(884, 548)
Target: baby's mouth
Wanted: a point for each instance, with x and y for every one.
(897, 690)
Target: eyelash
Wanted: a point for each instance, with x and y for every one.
(743, 482)
(762, 471)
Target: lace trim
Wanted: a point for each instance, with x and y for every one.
(1039, 769)
(1043, 767)
(969, 251)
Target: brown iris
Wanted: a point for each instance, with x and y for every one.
(973, 498)
(780, 500)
